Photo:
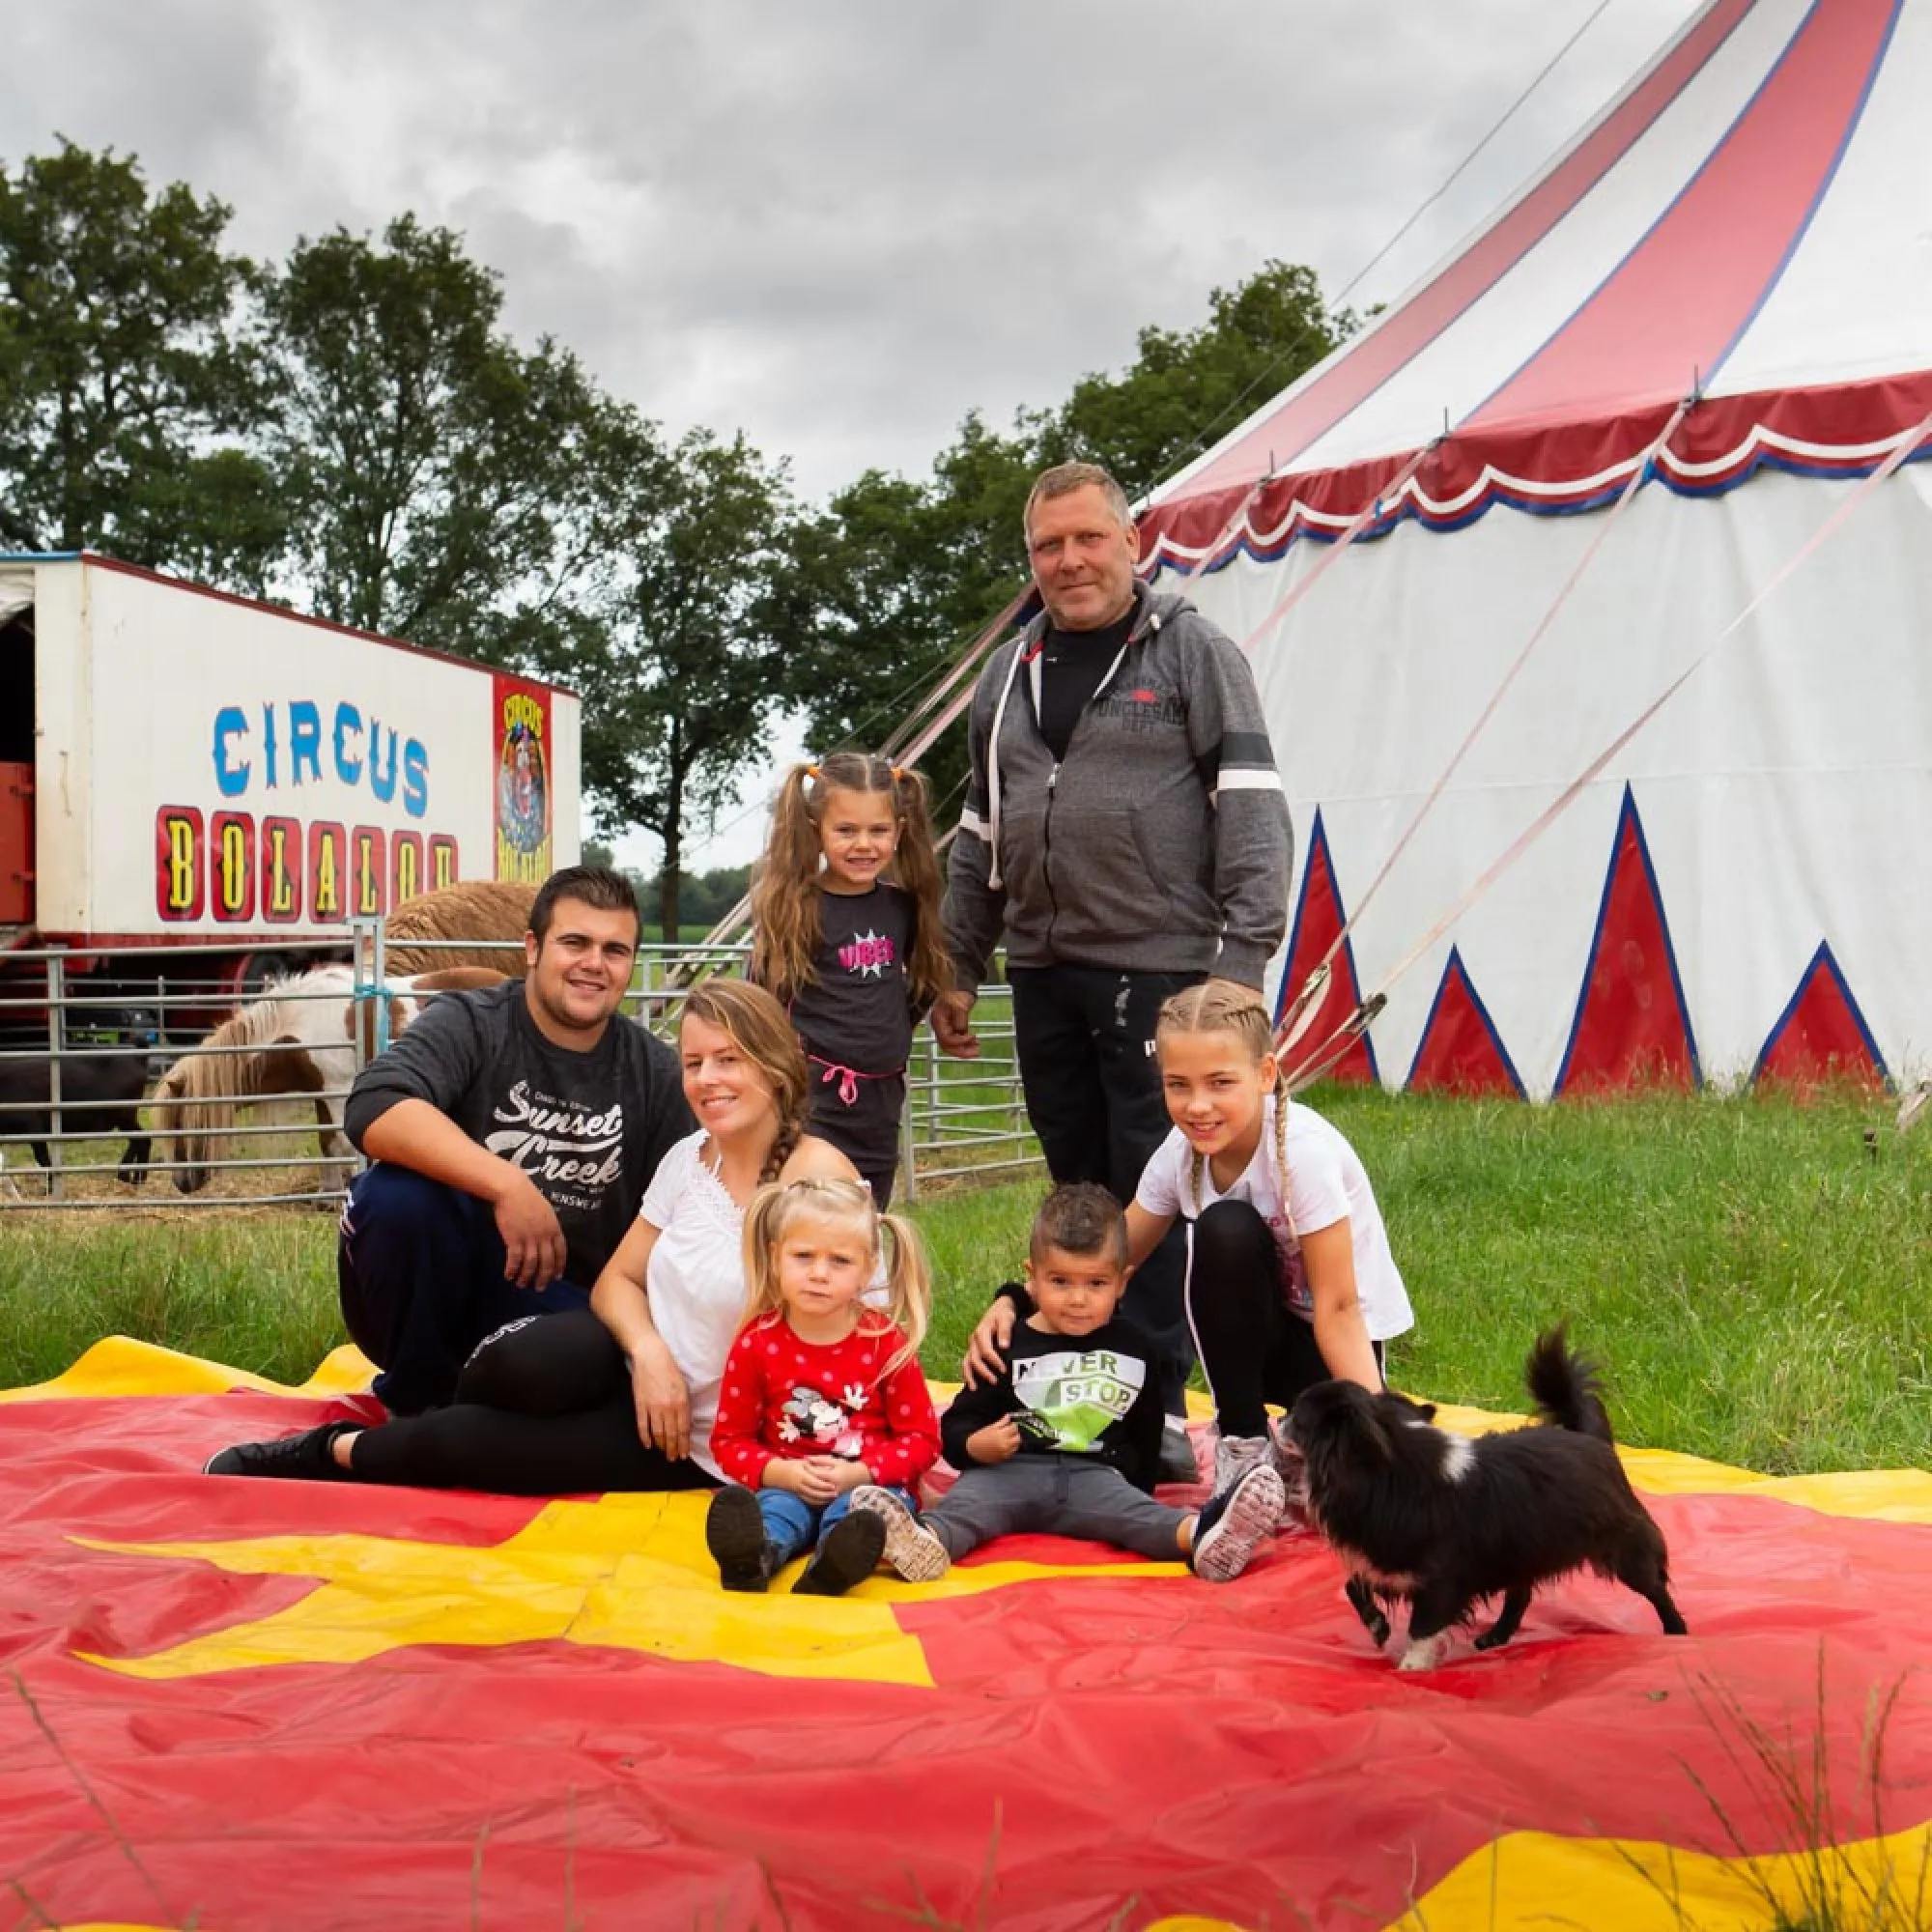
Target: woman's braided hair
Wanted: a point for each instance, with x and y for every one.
(1221, 1005)
(757, 1027)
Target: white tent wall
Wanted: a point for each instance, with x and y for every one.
(1783, 793)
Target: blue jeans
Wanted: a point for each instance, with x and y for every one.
(420, 1272)
(793, 1525)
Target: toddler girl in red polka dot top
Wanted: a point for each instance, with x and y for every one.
(822, 1389)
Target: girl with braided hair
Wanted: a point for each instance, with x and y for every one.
(847, 936)
(621, 1395)
(1289, 1278)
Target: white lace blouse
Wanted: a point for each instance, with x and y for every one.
(696, 1279)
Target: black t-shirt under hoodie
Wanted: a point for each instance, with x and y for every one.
(1071, 666)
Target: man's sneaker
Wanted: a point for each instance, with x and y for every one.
(1228, 1528)
(734, 1533)
(1178, 1463)
(1235, 1455)
(305, 1458)
(847, 1555)
(911, 1550)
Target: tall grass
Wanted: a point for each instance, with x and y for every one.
(1755, 1275)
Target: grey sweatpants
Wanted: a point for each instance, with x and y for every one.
(1054, 1495)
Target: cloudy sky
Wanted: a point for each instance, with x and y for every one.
(839, 224)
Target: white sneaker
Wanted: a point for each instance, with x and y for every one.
(1228, 1528)
(1235, 1455)
(911, 1550)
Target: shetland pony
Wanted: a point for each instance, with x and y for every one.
(297, 1041)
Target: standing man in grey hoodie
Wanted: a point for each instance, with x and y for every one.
(1125, 827)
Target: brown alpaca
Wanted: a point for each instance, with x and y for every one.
(471, 909)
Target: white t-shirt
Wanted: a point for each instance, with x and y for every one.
(1326, 1182)
(695, 1278)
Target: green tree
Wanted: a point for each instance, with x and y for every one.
(442, 479)
(126, 400)
(686, 653)
(895, 578)
(1187, 389)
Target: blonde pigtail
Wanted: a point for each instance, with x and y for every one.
(908, 1286)
(786, 923)
(916, 867)
(762, 1301)
(1281, 1158)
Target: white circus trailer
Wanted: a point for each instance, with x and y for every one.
(1722, 291)
(180, 767)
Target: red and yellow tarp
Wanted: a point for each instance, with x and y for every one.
(273, 1704)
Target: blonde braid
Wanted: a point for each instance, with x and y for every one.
(1281, 1160)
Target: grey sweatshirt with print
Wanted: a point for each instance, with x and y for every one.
(1160, 844)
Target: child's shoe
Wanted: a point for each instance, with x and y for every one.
(1232, 1522)
(734, 1533)
(847, 1554)
(911, 1550)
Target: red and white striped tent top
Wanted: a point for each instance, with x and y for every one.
(1748, 226)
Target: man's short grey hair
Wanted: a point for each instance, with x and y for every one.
(1064, 478)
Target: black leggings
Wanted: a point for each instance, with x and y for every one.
(543, 1408)
(1254, 1349)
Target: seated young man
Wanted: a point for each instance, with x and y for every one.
(1068, 1440)
(513, 1132)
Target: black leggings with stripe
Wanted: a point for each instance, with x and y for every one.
(1254, 1349)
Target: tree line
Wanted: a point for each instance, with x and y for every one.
(352, 431)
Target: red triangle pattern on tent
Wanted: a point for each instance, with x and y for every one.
(1821, 1037)
(1460, 1050)
(1632, 1027)
(1318, 920)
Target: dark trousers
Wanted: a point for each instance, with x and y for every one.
(1255, 1349)
(420, 1272)
(865, 1129)
(542, 1408)
(1085, 1039)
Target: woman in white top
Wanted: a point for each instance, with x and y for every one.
(622, 1396)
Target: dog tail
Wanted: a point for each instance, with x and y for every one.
(1567, 1388)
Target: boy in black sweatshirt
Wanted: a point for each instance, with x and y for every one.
(1068, 1440)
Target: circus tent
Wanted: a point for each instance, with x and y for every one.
(1722, 290)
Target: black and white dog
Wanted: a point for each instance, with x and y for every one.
(1444, 1520)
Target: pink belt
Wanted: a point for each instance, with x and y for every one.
(848, 1077)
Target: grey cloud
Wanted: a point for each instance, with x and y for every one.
(838, 226)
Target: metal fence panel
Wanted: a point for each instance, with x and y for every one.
(75, 1060)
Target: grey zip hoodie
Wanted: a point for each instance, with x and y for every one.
(1161, 842)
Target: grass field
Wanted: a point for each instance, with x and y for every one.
(1756, 1274)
